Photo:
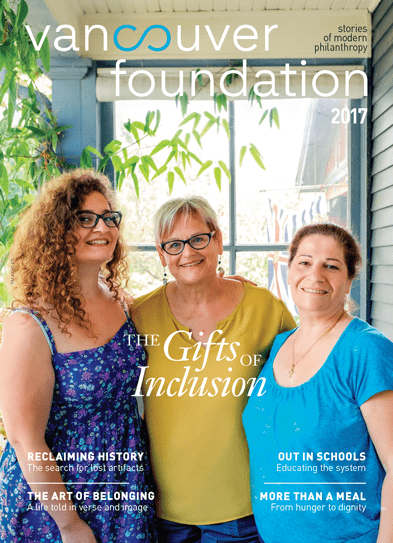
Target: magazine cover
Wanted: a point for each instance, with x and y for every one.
(141, 403)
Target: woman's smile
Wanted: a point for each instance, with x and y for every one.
(191, 265)
(318, 275)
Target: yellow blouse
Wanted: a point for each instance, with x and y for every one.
(194, 399)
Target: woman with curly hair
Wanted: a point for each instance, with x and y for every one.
(75, 468)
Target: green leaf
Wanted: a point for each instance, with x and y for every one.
(103, 163)
(180, 174)
(197, 137)
(263, 116)
(139, 125)
(130, 161)
(199, 77)
(170, 156)
(112, 147)
(11, 102)
(226, 128)
(220, 100)
(149, 118)
(44, 52)
(4, 182)
(184, 159)
(160, 171)
(136, 184)
(189, 118)
(21, 14)
(158, 118)
(89, 148)
(117, 163)
(197, 119)
(242, 153)
(59, 129)
(182, 144)
(160, 146)
(207, 127)
(6, 83)
(145, 171)
(187, 139)
(274, 117)
(86, 159)
(135, 133)
(149, 161)
(210, 116)
(184, 103)
(205, 166)
(197, 159)
(217, 175)
(171, 180)
(224, 168)
(256, 156)
(120, 181)
(253, 96)
(176, 137)
(37, 131)
(54, 141)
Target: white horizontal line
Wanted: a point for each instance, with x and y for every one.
(314, 483)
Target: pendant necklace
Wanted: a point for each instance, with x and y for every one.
(328, 329)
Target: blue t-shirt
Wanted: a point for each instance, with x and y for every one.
(315, 474)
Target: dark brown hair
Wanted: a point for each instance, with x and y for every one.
(43, 269)
(351, 247)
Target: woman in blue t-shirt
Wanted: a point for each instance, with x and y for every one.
(321, 433)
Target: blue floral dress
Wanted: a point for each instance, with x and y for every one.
(98, 439)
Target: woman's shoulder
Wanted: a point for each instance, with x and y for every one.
(281, 338)
(262, 294)
(22, 330)
(360, 334)
(263, 300)
(148, 299)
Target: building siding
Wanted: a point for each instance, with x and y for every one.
(382, 171)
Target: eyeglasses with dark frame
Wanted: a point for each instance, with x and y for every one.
(89, 219)
(176, 246)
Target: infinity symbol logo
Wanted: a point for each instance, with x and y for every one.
(148, 29)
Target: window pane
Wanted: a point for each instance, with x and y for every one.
(139, 212)
(306, 176)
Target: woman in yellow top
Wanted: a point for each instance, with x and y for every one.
(206, 338)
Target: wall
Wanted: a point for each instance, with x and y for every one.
(382, 171)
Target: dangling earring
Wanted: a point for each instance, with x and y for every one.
(220, 268)
(165, 278)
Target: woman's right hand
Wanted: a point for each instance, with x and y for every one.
(77, 532)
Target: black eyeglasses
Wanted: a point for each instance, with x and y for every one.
(88, 219)
(176, 246)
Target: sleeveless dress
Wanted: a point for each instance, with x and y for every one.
(98, 439)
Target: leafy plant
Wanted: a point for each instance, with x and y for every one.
(30, 138)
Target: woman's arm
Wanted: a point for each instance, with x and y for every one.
(26, 389)
(378, 414)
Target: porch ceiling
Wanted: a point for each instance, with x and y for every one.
(107, 7)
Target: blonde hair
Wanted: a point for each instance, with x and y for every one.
(171, 210)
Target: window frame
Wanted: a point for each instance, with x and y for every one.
(359, 137)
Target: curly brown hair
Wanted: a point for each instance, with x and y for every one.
(43, 272)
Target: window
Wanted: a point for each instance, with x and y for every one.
(306, 179)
